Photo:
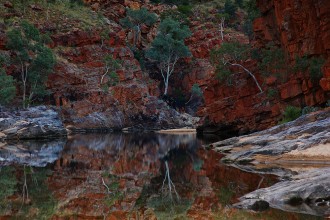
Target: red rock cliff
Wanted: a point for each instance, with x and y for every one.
(300, 27)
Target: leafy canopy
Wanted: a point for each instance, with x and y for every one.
(33, 57)
(7, 88)
(138, 17)
(169, 43)
(7, 84)
(228, 52)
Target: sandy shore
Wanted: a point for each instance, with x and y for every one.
(177, 131)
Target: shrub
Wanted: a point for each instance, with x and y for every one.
(35, 60)
(290, 113)
(309, 109)
(315, 68)
(272, 93)
(273, 62)
(185, 9)
(230, 8)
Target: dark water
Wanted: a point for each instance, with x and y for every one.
(124, 176)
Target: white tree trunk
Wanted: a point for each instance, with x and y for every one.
(222, 27)
(166, 84)
(249, 72)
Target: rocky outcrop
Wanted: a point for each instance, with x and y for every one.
(308, 192)
(33, 123)
(297, 152)
(300, 28)
(281, 143)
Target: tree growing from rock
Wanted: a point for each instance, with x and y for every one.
(196, 92)
(230, 55)
(168, 47)
(34, 58)
(135, 19)
(7, 85)
(111, 65)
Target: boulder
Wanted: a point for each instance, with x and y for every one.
(33, 123)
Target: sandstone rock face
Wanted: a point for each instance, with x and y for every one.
(301, 27)
(36, 122)
(76, 83)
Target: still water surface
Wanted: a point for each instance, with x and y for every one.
(124, 176)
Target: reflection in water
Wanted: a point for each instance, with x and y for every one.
(37, 153)
(126, 176)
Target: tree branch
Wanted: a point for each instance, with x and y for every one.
(246, 70)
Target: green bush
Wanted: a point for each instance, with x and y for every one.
(272, 93)
(33, 59)
(312, 65)
(309, 109)
(315, 68)
(230, 8)
(185, 9)
(290, 113)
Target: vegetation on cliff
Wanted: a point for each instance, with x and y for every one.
(168, 47)
(33, 58)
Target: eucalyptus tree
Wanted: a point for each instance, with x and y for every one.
(135, 19)
(34, 58)
(232, 54)
(168, 47)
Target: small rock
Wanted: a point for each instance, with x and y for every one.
(36, 7)
(95, 6)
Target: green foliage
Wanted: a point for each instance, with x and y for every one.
(225, 195)
(290, 113)
(111, 66)
(327, 104)
(252, 9)
(139, 55)
(7, 88)
(234, 51)
(115, 193)
(239, 3)
(34, 58)
(230, 9)
(42, 205)
(312, 65)
(196, 90)
(309, 109)
(223, 73)
(165, 208)
(272, 93)
(7, 186)
(7, 85)
(135, 18)
(273, 62)
(315, 68)
(301, 63)
(229, 51)
(253, 13)
(175, 15)
(169, 43)
(169, 46)
(74, 3)
(185, 9)
(113, 78)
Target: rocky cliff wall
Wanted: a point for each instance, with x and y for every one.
(300, 27)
